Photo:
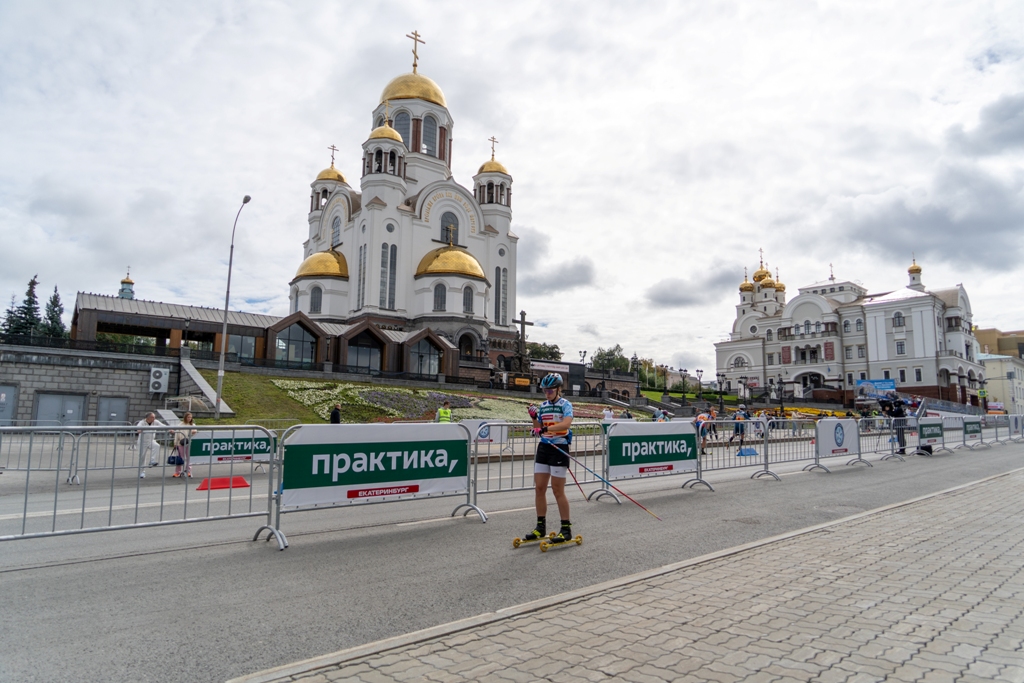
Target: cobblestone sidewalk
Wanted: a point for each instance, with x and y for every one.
(930, 591)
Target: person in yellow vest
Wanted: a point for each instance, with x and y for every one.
(444, 413)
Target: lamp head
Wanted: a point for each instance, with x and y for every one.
(246, 199)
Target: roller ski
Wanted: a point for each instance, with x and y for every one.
(564, 537)
(538, 534)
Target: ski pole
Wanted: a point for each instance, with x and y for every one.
(613, 487)
(578, 484)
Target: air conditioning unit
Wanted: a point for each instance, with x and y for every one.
(158, 380)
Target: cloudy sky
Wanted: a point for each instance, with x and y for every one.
(655, 147)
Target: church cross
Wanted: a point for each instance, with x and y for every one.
(415, 35)
(522, 334)
(493, 142)
(761, 252)
(831, 274)
(387, 112)
(333, 150)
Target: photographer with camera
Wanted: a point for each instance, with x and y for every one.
(896, 411)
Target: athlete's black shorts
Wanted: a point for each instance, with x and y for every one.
(551, 456)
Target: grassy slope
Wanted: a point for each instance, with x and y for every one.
(253, 396)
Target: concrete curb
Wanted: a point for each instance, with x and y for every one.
(360, 651)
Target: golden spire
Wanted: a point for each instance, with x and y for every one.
(415, 35)
(493, 142)
(333, 150)
(387, 112)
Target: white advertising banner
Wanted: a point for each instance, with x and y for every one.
(650, 448)
(486, 431)
(837, 437)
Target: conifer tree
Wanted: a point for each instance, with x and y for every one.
(27, 320)
(53, 325)
(10, 318)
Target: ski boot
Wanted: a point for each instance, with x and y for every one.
(533, 536)
(564, 537)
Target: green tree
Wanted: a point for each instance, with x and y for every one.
(27, 319)
(10, 318)
(540, 351)
(53, 325)
(682, 386)
(610, 359)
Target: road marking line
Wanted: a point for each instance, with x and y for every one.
(88, 511)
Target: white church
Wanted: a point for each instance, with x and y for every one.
(409, 248)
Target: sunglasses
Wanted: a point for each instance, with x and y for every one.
(550, 391)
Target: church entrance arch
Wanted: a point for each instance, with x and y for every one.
(467, 346)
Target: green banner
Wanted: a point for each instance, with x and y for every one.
(644, 449)
(930, 433)
(227, 445)
(972, 428)
(336, 465)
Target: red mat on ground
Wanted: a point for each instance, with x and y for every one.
(223, 483)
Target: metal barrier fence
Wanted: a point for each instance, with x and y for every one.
(84, 479)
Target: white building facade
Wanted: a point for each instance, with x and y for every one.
(835, 332)
(1005, 383)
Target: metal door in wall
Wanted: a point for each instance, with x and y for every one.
(112, 410)
(64, 409)
(8, 404)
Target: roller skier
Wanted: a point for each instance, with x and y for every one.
(552, 421)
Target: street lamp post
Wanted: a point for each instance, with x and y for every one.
(635, 363)
(700, 387)
(721, 392)
(227, 299)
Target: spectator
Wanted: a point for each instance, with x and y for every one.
(608, 414)
(336, 414)
(147, 443)
(444, 413)
(182, 443)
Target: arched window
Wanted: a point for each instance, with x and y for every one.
(796, 330)
(504, 296)
(361, 292)
(497, 299)
(501, 199)
(449, 228)
(316, 296)
(378, 161)
(430, 136)
(490, 193)
(336, 231)
(323, 198)
(391, 162)
(467, 300)
(807, 327)
(897, 320)
(391, 276)
(768, 335)
(817, 328)
(380, 122)
(384, 275)
(402, 126)
(860, 325)
(424, 358)
(440, 297)
(740, 362)
(846, 326)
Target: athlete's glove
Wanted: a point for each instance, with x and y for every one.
(532, 410)
(536, 431)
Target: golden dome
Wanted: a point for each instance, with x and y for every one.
(768, 282)
(331, 174)
(328, 263)
(746, 285)
(779, 287)
(914, 269)
(761, 273)
(386, 132)
(413, 86)
(493, 166)
(450, 260)
(127, 281)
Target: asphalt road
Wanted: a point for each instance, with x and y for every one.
(200, 602)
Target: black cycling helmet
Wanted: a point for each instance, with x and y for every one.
(551, 381)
